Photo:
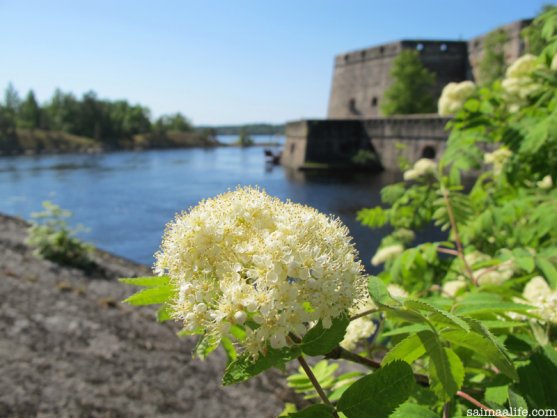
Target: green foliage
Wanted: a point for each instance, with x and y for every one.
(365, 158)
(244, 367)
(493, 63)
(532, 34)
(378, 394)
(244, 140)
(411, 90)
(110, 123)
(54, 240)
(320, 340)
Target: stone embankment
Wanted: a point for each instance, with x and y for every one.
(70, 348)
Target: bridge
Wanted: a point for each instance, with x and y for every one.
(330, 143)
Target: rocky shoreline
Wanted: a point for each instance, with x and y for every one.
(70, 348)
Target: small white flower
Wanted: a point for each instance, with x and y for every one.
(540, 295)
(452, 287)
(545, 183)
(453, 97)
(386, 253)
(358, 330)
(421, 167)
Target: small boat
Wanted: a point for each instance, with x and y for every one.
(272, 157)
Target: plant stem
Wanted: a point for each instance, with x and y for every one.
(364, 313)
(477, 403)
(316, 384)
(447, 251)
(454, 227)
(341, 353)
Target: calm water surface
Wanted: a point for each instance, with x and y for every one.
(126, 198)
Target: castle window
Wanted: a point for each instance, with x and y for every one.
(363, 54)
(292, 148)
(443, 48)
(346, 57)
(420, 47)
(382, 50)
(374, 102)
(352, 104)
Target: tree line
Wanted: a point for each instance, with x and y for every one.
(103, 120)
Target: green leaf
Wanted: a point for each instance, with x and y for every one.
(151, 296)
(378, 394)
(497, 394)
(548, 270)
(446, 372)
(504, 363)
(244, 367)
(538, 380)
(206, 344)
(380, 295)
(479, 307)
(408, 329)
(320, 341)
(484, 343)
(409, 350)
(314, 411)
(412, 410)
(151, 281)
(516, 401)
(164, 313)
(229, 349)
(438, 315)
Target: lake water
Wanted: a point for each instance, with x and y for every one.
(126, 198)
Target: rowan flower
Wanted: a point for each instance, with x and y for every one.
(453, 97)
(540, 295)
(421, 167)
(545, 183)
(452, 287)
(358, 330)
(498, 158)
(386, 253)
(518, 83)
(246, 258)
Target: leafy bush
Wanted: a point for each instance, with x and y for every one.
(54, 240)
(447, 328)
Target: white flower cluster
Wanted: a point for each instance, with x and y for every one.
(358, 329)
(386, 253)
(498, 158)
(518, 83)
(421, 167)
(546, 183)
(247, 258)
(453, 97)
(452, 287)
(540, 295)
(492, 275)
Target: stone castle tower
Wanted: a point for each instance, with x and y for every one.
(361, 77)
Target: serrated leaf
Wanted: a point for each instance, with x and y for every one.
(380, 295)
(538, 381)
(408, 329)
(412, 410)
(378, 394)
(243, 368)
(438, 315)
(516, 401)
(482, 342)
(446, 372)
(409, 350)
(320, 341)
(151, 296)
(479, 307)
(314, 411)
(150, 281)
(548, 270)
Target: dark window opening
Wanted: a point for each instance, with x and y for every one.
(346, 57)
(428, 152)
(374, 102)
(292, 148)
(363, 54)
(382, 50)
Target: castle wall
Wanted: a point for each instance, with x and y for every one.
(361, 77)
(514, 47)
(335, 142)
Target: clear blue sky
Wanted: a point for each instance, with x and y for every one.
(218, 62)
